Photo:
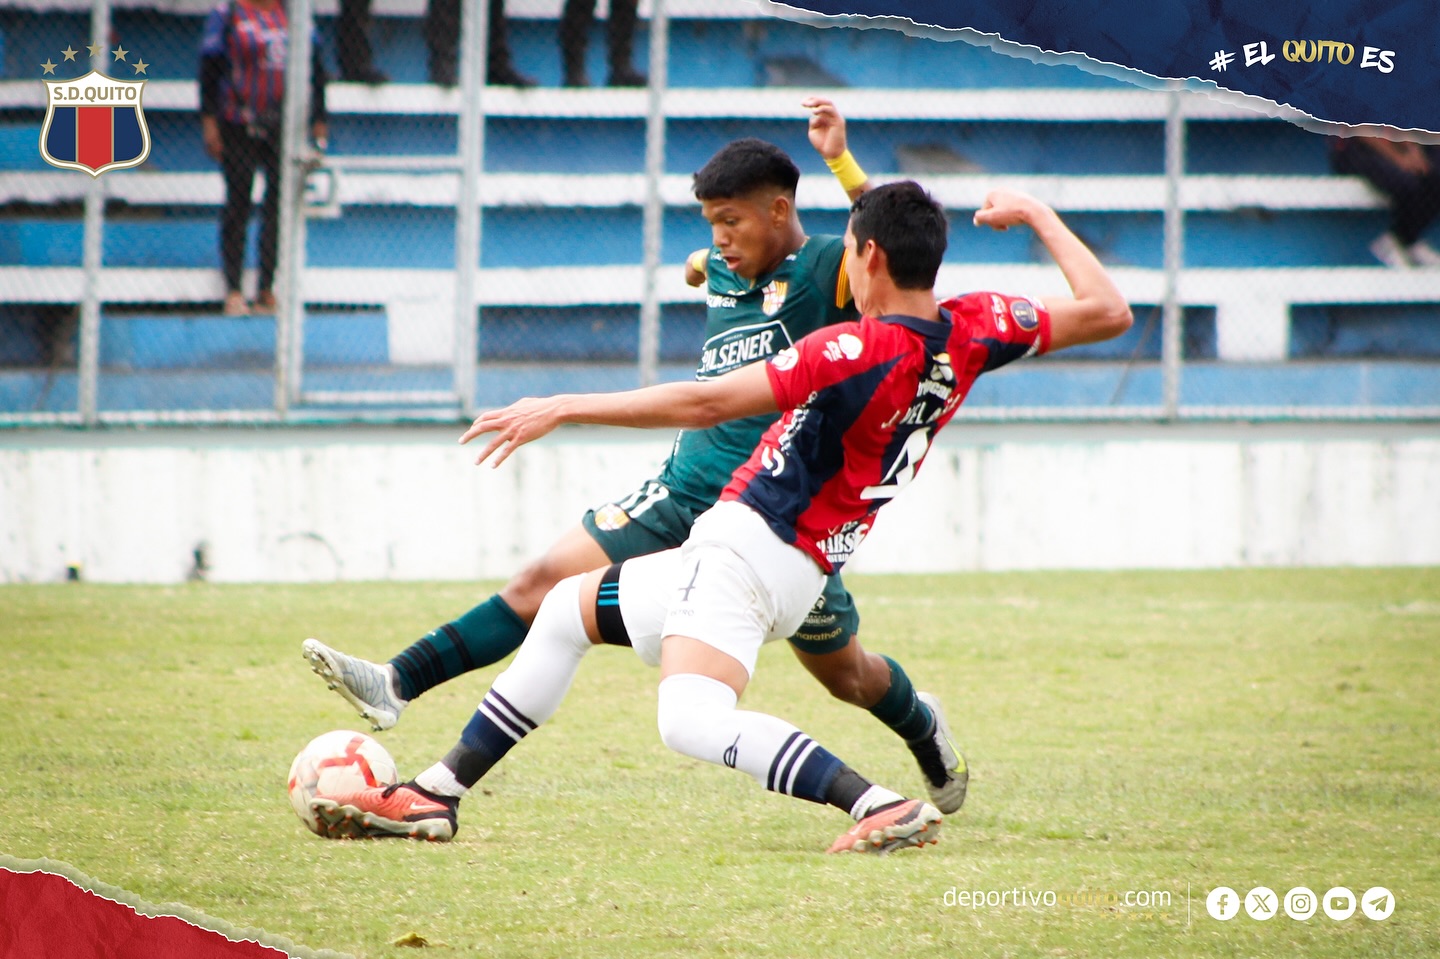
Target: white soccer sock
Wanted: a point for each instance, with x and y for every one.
(522, 697)
(540, 676)
(439, 780)
(870, 798)
(697, 717)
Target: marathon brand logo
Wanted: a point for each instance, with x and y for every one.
(740, 346)
(846, 345)
(786, 359)
(731, 755)
(997, 307)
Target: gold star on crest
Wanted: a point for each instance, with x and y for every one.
(140, 65)
(120, 53)
(47, 66)
(96, 49)
(69, 52)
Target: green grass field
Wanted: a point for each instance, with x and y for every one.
(1155, 733)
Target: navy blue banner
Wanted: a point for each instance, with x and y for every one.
(1349, 62)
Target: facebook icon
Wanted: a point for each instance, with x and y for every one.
(1223, 903)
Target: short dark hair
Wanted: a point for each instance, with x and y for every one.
(741, 167)
(909, 225)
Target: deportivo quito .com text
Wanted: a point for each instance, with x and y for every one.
(1016, 898)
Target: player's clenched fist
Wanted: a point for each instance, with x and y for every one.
(1006, 208)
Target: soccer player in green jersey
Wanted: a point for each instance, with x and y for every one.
(767, 285)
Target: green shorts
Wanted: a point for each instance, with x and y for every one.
(650, 520)
(647, 521)
(831, 621)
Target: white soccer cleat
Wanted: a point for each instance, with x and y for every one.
(948, 794)
(367, 686)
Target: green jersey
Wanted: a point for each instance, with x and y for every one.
(746, 322)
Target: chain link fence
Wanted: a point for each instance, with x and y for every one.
(1250, 261)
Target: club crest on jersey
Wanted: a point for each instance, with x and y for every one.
(1024, 315)
(774, 298)
(610, 518)
(94, 123)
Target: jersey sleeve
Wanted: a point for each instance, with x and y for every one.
(1009, 327)
(214, 59)
(815, 362)
(830, 278)
(212, 36)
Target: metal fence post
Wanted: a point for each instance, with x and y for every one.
(654, 226)
(1172, 316)
(474, 34)
(93, 248)
(290, 265)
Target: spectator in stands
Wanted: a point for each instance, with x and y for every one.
(442, 38)
(575, 22)
(1409, 174)
(242, 89)
(352, 40)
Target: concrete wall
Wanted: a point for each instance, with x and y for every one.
(406, 503)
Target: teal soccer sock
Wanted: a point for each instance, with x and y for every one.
(900, 709)
(485, 635)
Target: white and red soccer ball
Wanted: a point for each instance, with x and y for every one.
(337, 762)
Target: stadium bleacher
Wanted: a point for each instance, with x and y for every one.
(1283, 302)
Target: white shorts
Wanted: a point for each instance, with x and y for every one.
(734, 585)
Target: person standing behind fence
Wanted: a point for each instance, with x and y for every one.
(1409, 174)
(442, 41)
(575, 22)
(352, 44)
(242, 91)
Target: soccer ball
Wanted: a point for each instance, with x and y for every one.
(337, 762)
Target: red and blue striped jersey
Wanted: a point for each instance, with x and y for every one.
(254, 42)
(243, 51)
(865, 400)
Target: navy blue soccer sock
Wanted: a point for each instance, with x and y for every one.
(492, 732)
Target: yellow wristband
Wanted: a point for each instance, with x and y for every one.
(698, 259)
(847, 171)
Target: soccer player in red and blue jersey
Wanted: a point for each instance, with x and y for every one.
(768, 284)
(865, 400)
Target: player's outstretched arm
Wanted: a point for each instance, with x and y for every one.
(827, 136)
(743, 392)
(1097, 311)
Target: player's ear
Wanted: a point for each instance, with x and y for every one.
(880, 258)
(781, 207)
(873, 258)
